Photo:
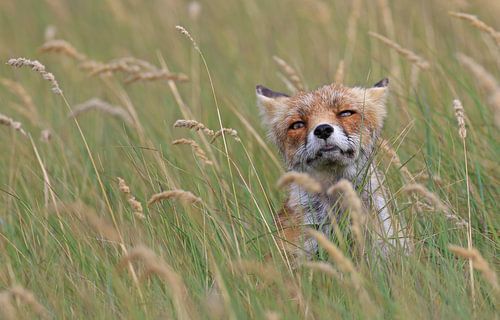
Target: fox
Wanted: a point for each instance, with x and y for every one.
(329, 133)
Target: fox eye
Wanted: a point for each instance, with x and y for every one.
(297, 125)
(346, 113)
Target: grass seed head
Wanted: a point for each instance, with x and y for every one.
(196, 148)
(9, 122)
(181, 195)
(103, 106)
(478, 262)
(290, 73)
(460, 115)
(39, 68)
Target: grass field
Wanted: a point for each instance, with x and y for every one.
(78, 242)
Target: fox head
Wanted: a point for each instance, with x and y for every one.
(325, 129)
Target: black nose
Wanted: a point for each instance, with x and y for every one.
(323, 131)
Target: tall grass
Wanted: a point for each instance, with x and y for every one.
(73, 241)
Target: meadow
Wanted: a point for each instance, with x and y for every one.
(112, 208)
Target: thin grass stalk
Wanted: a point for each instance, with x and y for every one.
(462, 132)
(236, 201)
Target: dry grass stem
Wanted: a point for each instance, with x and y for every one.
(156, 75)
(155, 265)
(301, 179)
(290, 73)
(181, 195)
(196, 148)
(478, 262)
(96, 222)
(339, 74)
(103, 106)
(406, 53)
(475, 22)
(134, 204)
(62, 47)
(352, 201)
(346, 266)
(39, 68)
(386, 147)
(459, 114)
(434, 200)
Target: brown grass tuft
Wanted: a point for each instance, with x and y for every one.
(37, 67)
(196, 148)
(103, 106)
(9, 122)
(301, 179)
(290, 73)
(134, 204)
(434, 200)
(181, 195)
(475, 22)
(478, 262)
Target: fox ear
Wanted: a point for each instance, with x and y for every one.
(378, 92)
(269, 101)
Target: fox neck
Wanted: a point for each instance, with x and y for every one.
(318, 207)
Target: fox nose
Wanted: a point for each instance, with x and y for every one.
(323, 131)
